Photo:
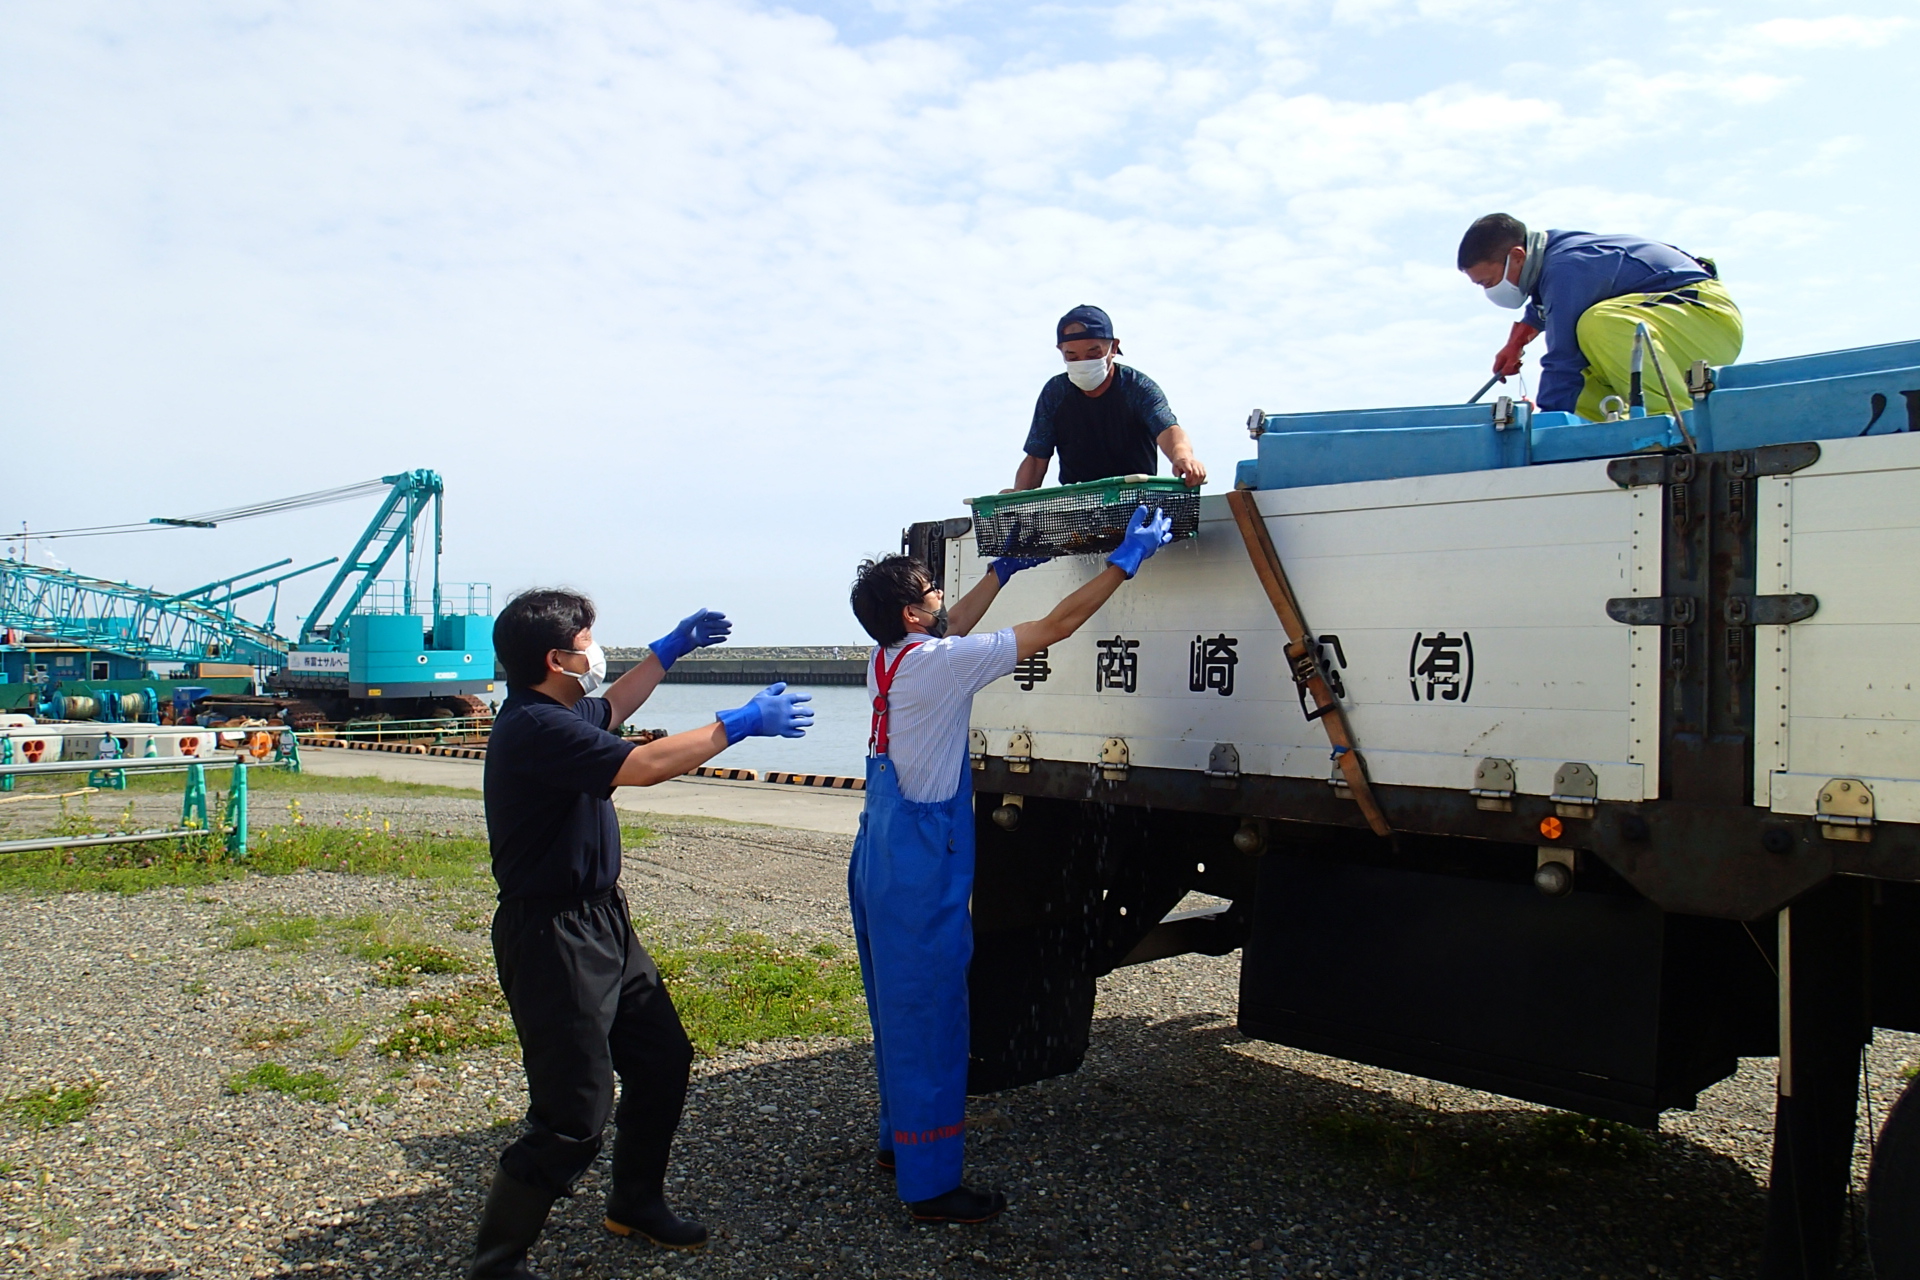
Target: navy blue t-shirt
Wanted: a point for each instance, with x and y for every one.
(1115, 433)
(549, 795)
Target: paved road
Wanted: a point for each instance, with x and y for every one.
(799, 808)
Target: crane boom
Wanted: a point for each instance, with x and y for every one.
(390, 529)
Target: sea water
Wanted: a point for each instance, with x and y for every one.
(837, 742)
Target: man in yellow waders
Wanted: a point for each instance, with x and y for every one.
(1588, 293)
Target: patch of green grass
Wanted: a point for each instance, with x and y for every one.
(346, 1041)
(133, 868)
(398, 955)
(472, 1017)
(195, 987)
(309, 1086)
(52, 1106)
(402, 964)
(1589, 1140)
(384, 1098)
(275, 932)
(1911, 1071)
(744, 987)
(279, 780)
(1411, 1145)
(266, 1035)
(1406, 1151)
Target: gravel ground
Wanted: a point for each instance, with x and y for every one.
(1181, 1148)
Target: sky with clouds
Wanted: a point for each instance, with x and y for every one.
(698, 303)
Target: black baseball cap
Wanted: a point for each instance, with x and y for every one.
(1096, 322)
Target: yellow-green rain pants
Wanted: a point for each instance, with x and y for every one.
(1698, 322)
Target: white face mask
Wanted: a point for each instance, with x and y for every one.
(1506, 293)
(596, 673)
(1087, 374)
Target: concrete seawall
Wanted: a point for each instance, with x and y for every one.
(814, 671)
(726, 664)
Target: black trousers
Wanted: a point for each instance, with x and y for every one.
(588, 1003)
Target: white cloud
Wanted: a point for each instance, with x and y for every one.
(753, 296)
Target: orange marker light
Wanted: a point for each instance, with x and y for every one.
(1551, 828)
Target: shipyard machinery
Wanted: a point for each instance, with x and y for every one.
(367, 647)
(69, 642)
(1625, 763)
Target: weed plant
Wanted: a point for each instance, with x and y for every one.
(472, 1017)
(1415, 1145)
(738, 988)
(309, 1086)
(52, 1106)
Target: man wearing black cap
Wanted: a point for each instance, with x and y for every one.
(1105, 418)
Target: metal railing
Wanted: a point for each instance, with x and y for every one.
(194, 819)
(439, 728)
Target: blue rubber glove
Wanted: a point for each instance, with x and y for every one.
(770, 713)
(1145, 535)
(696, 631)
(1006, 566)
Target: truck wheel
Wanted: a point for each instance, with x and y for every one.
(1893, 1192)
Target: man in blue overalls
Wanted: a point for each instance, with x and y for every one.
(912, 870)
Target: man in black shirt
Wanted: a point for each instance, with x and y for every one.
(1106, 419)
(587, 1001)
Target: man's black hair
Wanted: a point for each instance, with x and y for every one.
(534, 622)
(1489, 239)
(882, 588)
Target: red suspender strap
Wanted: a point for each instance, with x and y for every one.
(883, 683)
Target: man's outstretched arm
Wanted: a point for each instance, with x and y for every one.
(1146, 535)
(771, 713)
(695, 631)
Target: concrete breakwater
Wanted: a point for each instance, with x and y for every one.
(725, 664)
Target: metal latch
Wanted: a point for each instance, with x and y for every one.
(1223, 765)
(1770, 611)
(977, 747)
(1700, 379)
(1020, 752)
(1652, 611)
(1576, 790)
(1337, 778)
(1503, 413)
(1113, 760)
(1667, 468)
(1845, 811)
(1257, 423)
(1493, 785)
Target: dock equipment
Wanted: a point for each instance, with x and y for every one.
(1635, 694)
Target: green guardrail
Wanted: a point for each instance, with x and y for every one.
(194, 819)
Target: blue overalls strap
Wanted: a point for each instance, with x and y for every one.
(883, 675)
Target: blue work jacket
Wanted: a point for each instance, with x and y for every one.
(1580, 270)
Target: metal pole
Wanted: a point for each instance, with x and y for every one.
(237, 811)
(437, 499)
(406, 586)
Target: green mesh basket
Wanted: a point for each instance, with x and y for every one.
(1078, 519)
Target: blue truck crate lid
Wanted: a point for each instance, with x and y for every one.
(1859, 391)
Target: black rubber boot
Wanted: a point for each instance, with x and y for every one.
(961, 1205)
(509, 1225)
(884, 1161)
(637, 1205)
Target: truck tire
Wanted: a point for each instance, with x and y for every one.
(1893, 1192)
